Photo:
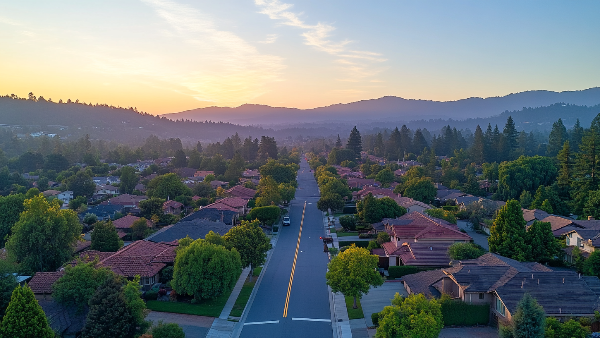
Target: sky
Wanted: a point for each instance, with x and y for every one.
(165, 56)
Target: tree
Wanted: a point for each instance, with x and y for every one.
(268, 191)
(77, 202)
(90, 218)
(152, 206)
(214, 238)
(542, 243)
(235, 168)
(353, 272)
(24, 317)
(385, 177)
(526, 199)
(266, 215)
(45, 236)
(167, 330)
(478, 147)
(287, 192)
(591, 266)
(128, 180)
(330, 202)
(507, 234)
(557, 138)
(421, 189)
(167, 186)
(109, 316)
(464, 250)
(251, 243)
(368, 209)
(547, 207)
(203, 189)
(105, 237)
(81, 184)
(568, 329)
(383, 237)
(11, 207)
(530, 319)
(355, 143)
(413, 316)
(279, 172)
(132, 292)
(267, 148)
(77, 286)
(441, 214)
(205, 270)
(180, 160)
(8, 282)
(139, 229)
(525, 173)
(348, 222)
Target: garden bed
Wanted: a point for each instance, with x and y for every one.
(207, 307)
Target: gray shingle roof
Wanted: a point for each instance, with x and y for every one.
(196, 228)
(213, 214)
(422, 282)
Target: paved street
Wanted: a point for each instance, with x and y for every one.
(308, 313)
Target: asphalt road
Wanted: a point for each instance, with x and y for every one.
(308, 312)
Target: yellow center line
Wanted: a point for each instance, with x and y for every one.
(289, 291)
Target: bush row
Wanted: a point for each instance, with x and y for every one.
(399, 271)
(464, 314)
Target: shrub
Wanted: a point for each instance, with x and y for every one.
(151, 295)
(349, 209)
(463, 314)
(360, 244)
(364, 236)
(348, 222)
(451, 208)
(399, 271)
(459, 251)
(275, 228)
(383, 237)
(375, 318)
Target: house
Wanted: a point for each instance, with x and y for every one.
(501, 282)
(140, 187)
(104, 211)
(30, 177)
(375, 191)
(400, 172)
(106, 190)
(233, 203)
(49, 193)
(141, 165)
(251, 174)
(65, 197)
(219, 184)
(163, 162)
(41, 283)
(185, 172)
(203, 173)
(106, 180)
(531, 215)
(420, 240)
(226, 215)
(194, 228)
(409, 164)
(143, 258)
(359, 183)
(172, 207)
(464, 201)
(127, 200)
(124, 223)
(411, 204)
(241, 192)
(445, 194)
(67, 321)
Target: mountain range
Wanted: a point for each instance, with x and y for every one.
(390, 108)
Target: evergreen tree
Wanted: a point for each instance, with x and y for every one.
(109, 315)
(526, 199)
(355, 142)
(510, 136)
(576, 136)
(490, 155)
(544, 246)
(497, 145)
(405, 142)
(557, 138)
(507, 235)
(338, 142)
(199, 147)
(379, 147)
(530, 319)
(24, 317)
(419, 142)
(478, 148)
(565, 170)
(180, 159)
(586, 169)
(105, 237)
(547, 207)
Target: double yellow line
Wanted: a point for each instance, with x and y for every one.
(289, 291)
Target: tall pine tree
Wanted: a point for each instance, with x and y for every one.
(557, 138)
(24, 317)
(355, 142)
(478, 147)
(510, 136)
(507, 235)
(109, 315)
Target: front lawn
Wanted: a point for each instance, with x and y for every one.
(207, 307)
(240, 302)
(346, 234)
(354, 313)
(256, 271)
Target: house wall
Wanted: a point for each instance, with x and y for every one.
(573, 239)
(450, 288)
(393, 260)
(473, 298)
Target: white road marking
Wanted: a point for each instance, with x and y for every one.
(313, 320)
(265, 322)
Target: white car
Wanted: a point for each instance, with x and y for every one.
(286, 220)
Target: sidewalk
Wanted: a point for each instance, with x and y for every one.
(339, 315)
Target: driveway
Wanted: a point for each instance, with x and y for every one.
(380, 297)
(477, 238)
(193, 326)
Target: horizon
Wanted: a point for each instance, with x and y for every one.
(171, 56)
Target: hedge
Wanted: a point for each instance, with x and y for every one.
(349, 209)
(360, 244)
(403, 270)
(464, 314)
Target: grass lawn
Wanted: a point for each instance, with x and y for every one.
(354, 313)
(257, 271)
(345, 234)
(208, 307)
(240, 302)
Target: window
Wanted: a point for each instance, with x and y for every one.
(481, 295)
(500, 307)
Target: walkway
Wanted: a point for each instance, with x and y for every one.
(477, 238)
(193, 326)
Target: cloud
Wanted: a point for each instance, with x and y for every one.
(318, 36)
(271, 38)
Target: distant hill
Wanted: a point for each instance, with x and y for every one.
(391, 107)
(74, 120)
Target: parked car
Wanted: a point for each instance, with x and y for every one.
(286, 220)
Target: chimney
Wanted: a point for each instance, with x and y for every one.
(591, 218)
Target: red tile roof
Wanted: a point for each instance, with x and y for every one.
(241, 192)
(172, 204)
(142, 258)
(127, 199)
(421, 227)
(42, 282)
(220, 206)
(234, 202)
(127, 221)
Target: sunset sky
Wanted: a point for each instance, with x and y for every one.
(167, 56)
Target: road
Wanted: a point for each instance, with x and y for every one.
(308, 312)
